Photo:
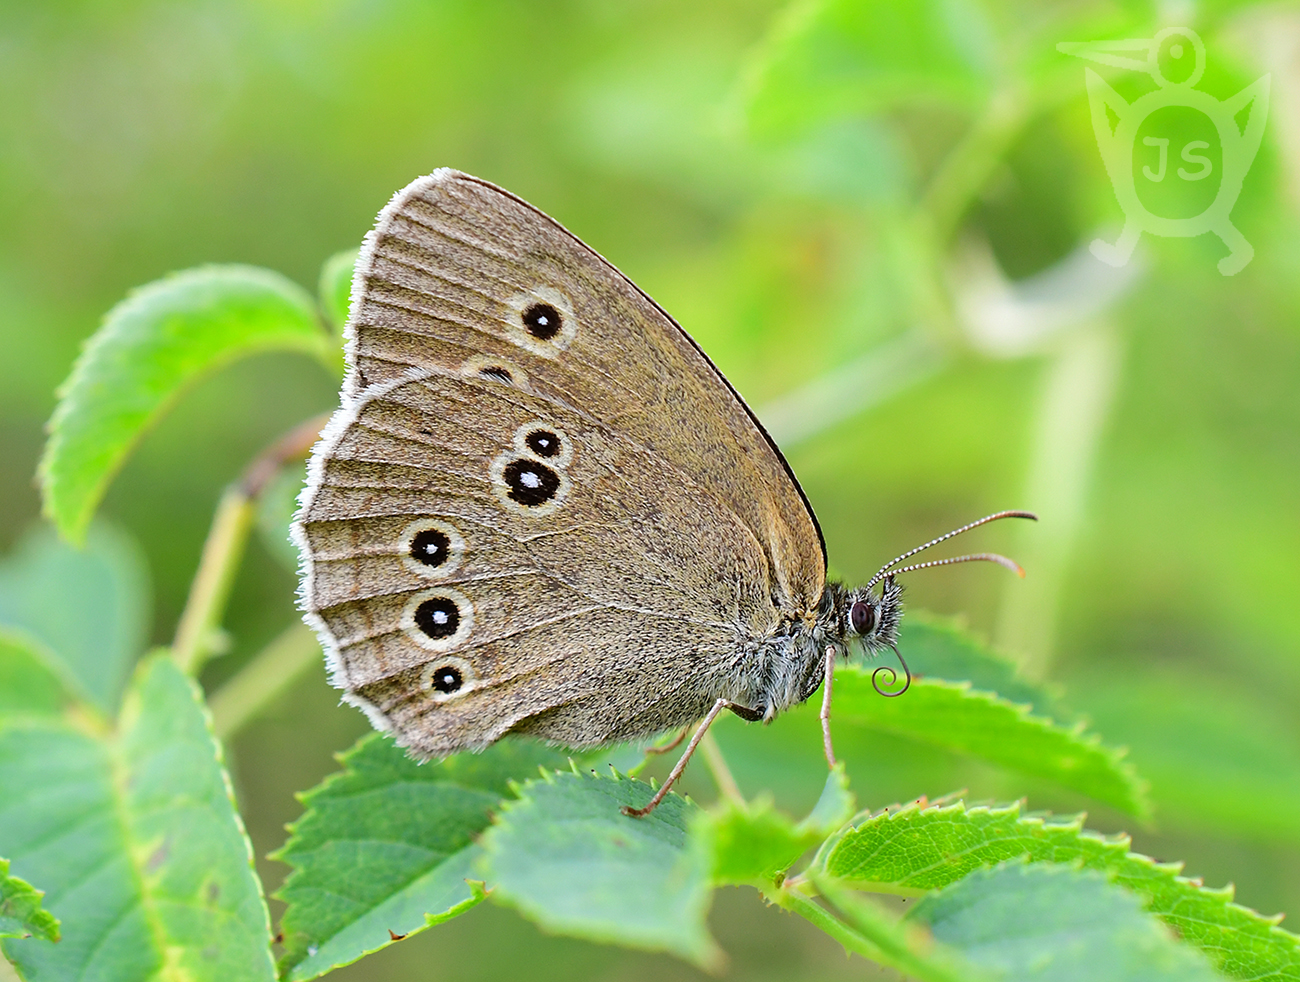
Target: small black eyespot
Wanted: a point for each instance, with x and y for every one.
(862, 616)
(544, 443)
(497, 373)
(531, 483)
(438, 617)
(543, 321)
(446, 678)
(432, 547)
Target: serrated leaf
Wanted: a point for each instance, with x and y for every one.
(939, 648)
(136, 841)
(1052, 923)
(833, 58)
(161, 339)
(21, 913)
(336, 287)
(923, 847)
(956, 717)
(88, 607)
(566, 856)
(387, 845)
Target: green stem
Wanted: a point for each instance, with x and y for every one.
(826, 922)
(721, 773)
(968, 165)
(259, 683)
(197, 633)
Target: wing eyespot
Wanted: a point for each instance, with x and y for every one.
(545, 442)
(527, 485)
(439, 619)
(490, 368)
(541, 320)
(432, 548)
(447, 678)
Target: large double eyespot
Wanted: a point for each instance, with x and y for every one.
(530, 478)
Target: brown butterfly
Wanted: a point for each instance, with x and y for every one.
(541, 509)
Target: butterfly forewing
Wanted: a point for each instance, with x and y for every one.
(540, 507)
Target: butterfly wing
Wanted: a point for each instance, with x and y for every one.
(540, 507)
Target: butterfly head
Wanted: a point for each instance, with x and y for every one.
(871, 619)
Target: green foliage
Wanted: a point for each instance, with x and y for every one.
(957, 717)
(839, 57)
(1049, 923)
(133, 835)
(21, 913)
(938, 648)
(386, 848)
(88, 607)
(921, 847)
(567, 857)
(889, 131)
(161, 339)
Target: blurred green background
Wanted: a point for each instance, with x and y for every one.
(873, 216)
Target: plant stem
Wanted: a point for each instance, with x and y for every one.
(197, 632)
(719, 770)
(826, 922)
(259, 683)
(968, 165)
(1076, 398)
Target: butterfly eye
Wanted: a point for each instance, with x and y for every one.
(446, 678)
(862, 616)
(543, 321)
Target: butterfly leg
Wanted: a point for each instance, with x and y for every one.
(670, 746)
(680, 766)
(826, 706)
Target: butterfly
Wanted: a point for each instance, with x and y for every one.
(541, 509)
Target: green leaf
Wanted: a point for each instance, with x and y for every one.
(754, 843)
(336, 287)
(1050, 923)
(956, 717)
(30, 684)
(21, 913)
(922, 847)
(89, 607)
(938, 648)
(159, 340)
(135, 838)
(834, 58)
(566, 856)
(387, 845)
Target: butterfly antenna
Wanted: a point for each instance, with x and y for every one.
(988, 557)
(888, 567)
(893, 677)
